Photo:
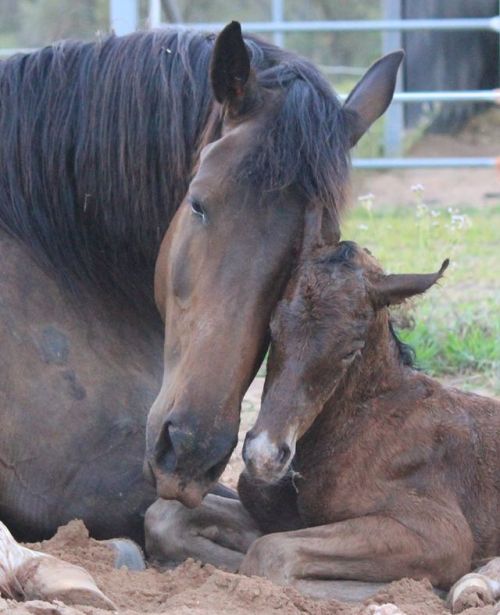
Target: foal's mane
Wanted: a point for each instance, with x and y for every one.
(98, 140)
(344, 255)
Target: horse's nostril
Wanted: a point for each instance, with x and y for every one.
(149, 475)
(165, 453)
(283, 454)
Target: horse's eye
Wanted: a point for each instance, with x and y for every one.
(197, 209)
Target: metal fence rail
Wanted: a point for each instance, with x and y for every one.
(369, 25)
(452, 96)
(124, 19)
(426, 163)
(279, 27)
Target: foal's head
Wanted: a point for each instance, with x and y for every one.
(322, 326)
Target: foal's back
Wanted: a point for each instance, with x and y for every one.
(421, 439)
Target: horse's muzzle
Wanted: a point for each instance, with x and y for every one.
(185, 465)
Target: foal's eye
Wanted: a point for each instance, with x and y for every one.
(197, 209)
(349, 358)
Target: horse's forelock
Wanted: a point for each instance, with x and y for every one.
(306, 142)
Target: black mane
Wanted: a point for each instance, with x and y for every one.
(98, 142)
(307, 143)
(407, 354)
(343, 255)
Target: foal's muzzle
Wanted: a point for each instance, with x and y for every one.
(265, 459)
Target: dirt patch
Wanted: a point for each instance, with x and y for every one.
(204, 590)
(446, 187)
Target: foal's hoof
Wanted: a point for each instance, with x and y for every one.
(472, 590)
(48, 578)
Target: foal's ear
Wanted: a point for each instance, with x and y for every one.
(320, 229)
(392, 289)
(230, 67)
(372, 95)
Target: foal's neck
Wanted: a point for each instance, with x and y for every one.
(379, 368)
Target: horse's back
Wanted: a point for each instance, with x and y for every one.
(76, 382)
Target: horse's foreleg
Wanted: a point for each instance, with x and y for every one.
(218, 532)
(29, 575)
(374, 549)
(479, 588)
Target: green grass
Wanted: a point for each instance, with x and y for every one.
(455, 327)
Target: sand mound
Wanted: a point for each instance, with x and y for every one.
(204, 590)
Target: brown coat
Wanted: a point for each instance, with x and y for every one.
(393, 473)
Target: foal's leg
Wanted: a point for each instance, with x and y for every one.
(218, 532)
(477, 589)
(435, 544)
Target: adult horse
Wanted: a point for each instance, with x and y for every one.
(98, 144)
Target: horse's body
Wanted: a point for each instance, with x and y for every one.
(103, 147)
(76, 385)
(92, 170)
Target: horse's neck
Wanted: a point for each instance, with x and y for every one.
(378, 370)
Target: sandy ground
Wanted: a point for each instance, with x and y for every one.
(203, 590)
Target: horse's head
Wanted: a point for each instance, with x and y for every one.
(229, 249)
(323, 325)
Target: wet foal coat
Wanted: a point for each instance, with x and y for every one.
(393, 474)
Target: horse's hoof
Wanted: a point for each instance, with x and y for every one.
(29, 575)
(48, 578)
(472, 590)
(127, 553)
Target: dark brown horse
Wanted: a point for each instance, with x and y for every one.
(381, 471)
(103, 147)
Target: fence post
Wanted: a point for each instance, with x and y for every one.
(123, 16)
(394, 116)
(278, 15)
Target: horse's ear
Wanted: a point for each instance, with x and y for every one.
(395, 288)
(372, 95)
(230, 66)
(320, 229)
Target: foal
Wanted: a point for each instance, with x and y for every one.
(374, 471)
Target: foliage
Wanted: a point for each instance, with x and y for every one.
(33, 23)
(455, 327)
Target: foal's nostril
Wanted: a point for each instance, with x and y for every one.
(283, 454)
(244, 452)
